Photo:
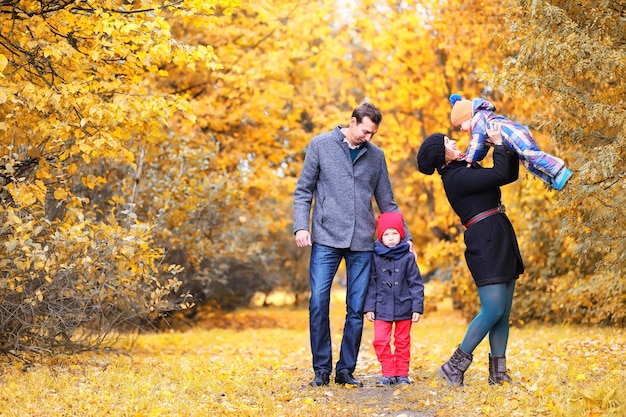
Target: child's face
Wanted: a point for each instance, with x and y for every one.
(465, 126)
(391, 237)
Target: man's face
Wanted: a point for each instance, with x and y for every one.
(360, 133)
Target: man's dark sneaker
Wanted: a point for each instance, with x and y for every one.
(321, 378)
(386, 381)
(346, 378)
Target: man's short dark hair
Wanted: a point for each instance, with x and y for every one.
(367, 109)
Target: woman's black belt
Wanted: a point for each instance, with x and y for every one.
(484, 214)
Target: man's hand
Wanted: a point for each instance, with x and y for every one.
(412, 249)
(303, 238)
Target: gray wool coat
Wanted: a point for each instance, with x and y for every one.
(343, 215)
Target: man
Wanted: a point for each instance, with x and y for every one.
(342, 171)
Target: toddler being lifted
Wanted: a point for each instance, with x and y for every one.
(478, 116)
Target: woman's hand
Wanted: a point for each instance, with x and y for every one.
(494, 131)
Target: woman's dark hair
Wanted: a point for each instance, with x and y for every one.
(367, 109)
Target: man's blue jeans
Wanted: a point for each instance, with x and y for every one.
(323, 267)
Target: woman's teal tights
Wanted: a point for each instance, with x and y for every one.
(493, 319)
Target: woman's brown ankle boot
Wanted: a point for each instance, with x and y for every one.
(497, 370)
(453, 369)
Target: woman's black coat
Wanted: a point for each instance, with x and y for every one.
(492, 253)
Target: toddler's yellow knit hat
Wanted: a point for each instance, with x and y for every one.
(461, 110)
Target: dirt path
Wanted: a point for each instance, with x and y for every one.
(372, 397)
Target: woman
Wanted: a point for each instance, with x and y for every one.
(492, 253)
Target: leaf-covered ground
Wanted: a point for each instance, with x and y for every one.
(257, 363)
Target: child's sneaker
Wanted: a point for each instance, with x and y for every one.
(403, 380)
(561, 178)
(386, 381)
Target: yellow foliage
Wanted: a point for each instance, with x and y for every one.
(78, 105)
(257, 362)
(169, 124)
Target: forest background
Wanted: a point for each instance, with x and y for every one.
(150, 150)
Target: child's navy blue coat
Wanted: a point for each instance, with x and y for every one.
(396, 289)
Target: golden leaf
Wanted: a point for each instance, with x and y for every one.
(3, 63)
(60, 194)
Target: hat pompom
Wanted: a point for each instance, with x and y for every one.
(454, 98)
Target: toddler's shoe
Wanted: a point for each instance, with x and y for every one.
(403, 380)
(558, 182)
(386, 381)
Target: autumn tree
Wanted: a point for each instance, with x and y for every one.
(78, 108)
(226, 192)
(572, 54)
(197, 150)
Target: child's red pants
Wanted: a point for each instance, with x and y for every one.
(396, 362)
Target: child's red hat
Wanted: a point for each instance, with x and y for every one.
(390, 220)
